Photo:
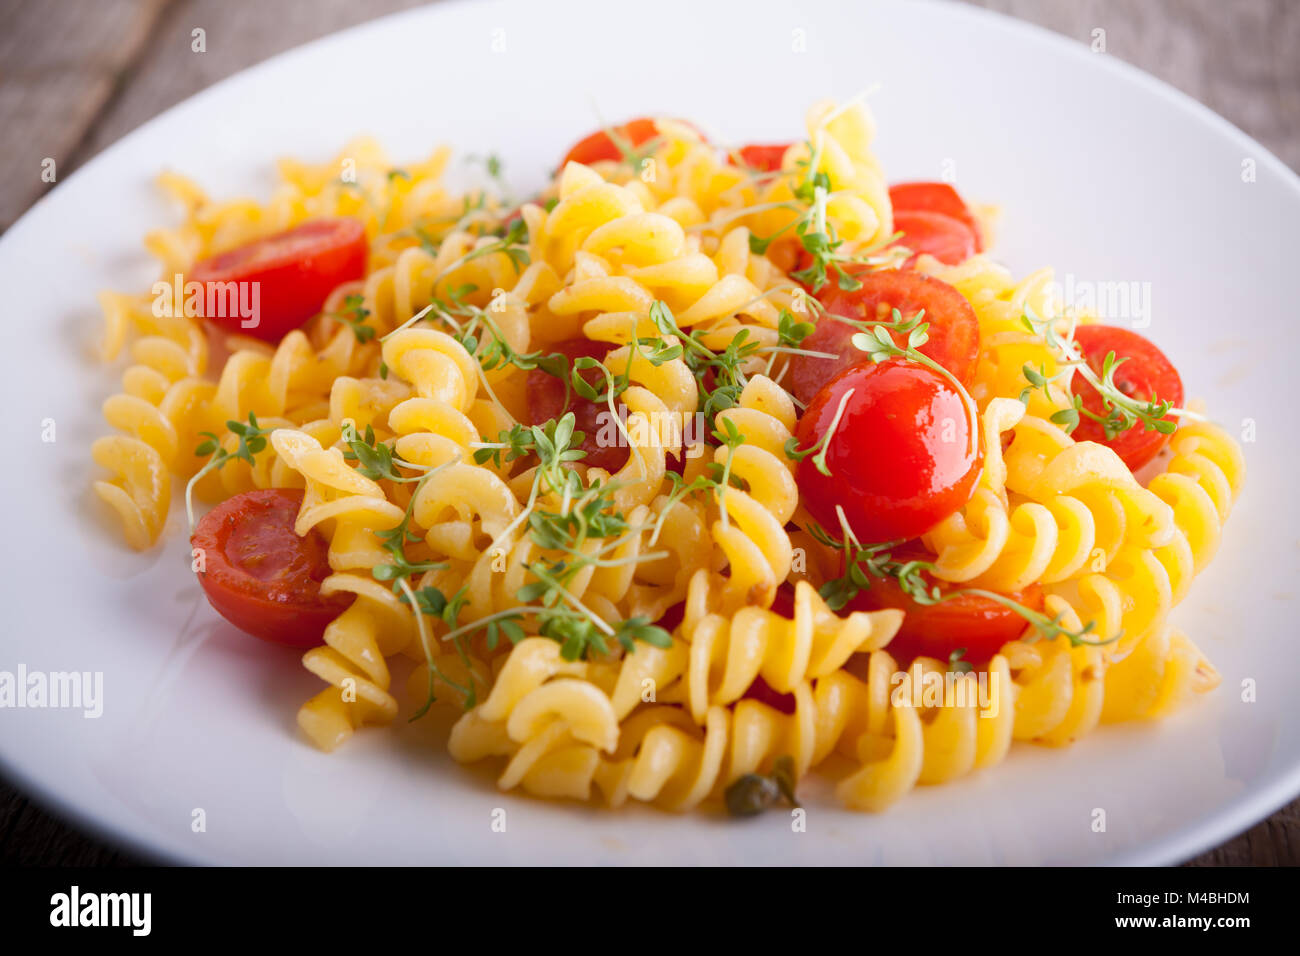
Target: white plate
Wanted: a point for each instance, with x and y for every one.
(1102, 172)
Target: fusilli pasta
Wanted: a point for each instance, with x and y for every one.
(672, 622)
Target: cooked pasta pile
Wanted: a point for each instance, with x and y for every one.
(662, 628)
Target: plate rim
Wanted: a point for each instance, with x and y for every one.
(1183, 842)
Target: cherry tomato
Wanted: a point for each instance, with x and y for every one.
(979, 625)
(1145, 374)
(764, 158)
(935, 197)
(260, 575)
(292, 272)
(599, 146)
(904, 454)
(954, 330)
(948, 240)
(546, 401)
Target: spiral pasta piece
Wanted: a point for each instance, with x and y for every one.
(163, 406)
(926, 725)
(1048, 509)
(1200, 484)
(750, 529)
(727, 654)
(140, 490)
(352, 661)
(346, 505)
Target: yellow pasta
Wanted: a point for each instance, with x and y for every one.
(557, 480)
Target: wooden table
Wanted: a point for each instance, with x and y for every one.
(77, 75)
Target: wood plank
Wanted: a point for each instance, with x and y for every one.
(61, 63)
(237, 35)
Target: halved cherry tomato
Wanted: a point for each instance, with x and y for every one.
(977, 624)
(948, 240)
(765, 158)
(904, 454)
(599, 146)
(935, 197)
(954, 330)
(1145, 374)
(293, 272)
(260, 575)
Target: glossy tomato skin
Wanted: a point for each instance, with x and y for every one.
(599, 146)
(764, 158)
(294, 271)
(904, 455)
(262, 577)
(953, 327)
(932, 233)
(1146, 373)
(932, 197)
(976, 624)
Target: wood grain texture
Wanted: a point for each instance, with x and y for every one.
(59, 66)
(77, 75)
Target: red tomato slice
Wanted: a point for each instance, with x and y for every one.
(292, 273)
(600, 146)
(935, 197)
(954, 330)
(765, 158)
(262, 577)
(1145, 375)
(949, 241)
(977, 624)
(904, 455)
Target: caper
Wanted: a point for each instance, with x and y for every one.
(751, 795)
